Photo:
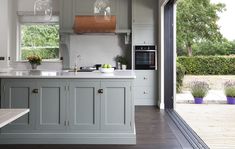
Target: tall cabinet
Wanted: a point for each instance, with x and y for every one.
(144, 32)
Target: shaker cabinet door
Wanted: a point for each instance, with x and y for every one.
(51, 104)
(144, 12)
(17, 93)
(84, 105)
(116, 105)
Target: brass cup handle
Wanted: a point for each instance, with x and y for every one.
(35, 91)
(100, 91)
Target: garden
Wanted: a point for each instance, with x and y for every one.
(203, 52)
(206, 70)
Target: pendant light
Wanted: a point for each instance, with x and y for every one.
(43, 6)
(102, 10)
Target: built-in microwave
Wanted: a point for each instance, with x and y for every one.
(145, 57)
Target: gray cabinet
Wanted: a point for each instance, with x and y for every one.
(79, 104)
(144, 35)
(145, 89)
(18, 94)
(116, 105)
(84, 105)
(50, 104)
(103, 105)
(144, 12)
(144, 22)
(66, 15)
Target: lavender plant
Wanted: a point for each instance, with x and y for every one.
(229, 88)
(199, 89)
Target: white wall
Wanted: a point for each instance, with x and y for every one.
(95, 49)
(4, 32)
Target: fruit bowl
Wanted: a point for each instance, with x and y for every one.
(106, 70)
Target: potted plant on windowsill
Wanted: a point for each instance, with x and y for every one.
(229, 90)
(34, 60)
(199, 89)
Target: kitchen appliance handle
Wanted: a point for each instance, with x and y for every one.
(145, 50)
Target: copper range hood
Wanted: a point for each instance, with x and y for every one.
(94, 24)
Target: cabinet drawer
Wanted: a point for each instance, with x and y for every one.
(144, 92)
(145, 78)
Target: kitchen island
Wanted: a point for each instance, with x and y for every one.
(69, 107)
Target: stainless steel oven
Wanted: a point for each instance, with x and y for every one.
(145, 57)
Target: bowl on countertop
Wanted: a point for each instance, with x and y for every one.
(106, 70)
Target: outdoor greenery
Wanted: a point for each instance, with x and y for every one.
(210, 48)
(199, 89)
(229, 89)
(208, 65)
(41, 40)
(197, 29)
(180, 70)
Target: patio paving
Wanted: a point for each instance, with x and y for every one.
(213, 97)
(214, 123)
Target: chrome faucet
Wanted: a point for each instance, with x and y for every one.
(78, 58)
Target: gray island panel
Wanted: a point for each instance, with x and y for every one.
(70, 110)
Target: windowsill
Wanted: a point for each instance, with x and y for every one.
(43, 61)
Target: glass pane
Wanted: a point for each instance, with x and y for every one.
(41, 40)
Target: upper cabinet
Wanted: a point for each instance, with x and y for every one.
(70, 8)
(144, 20)
(144, 12)
(66, 15)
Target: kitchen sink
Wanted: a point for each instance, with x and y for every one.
(81, 70)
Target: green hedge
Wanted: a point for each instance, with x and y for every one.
(208, 65)
(180, 71)
(52, 53)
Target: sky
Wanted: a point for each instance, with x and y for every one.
(227, 19)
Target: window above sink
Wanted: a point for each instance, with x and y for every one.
(38, 36)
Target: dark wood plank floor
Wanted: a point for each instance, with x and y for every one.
(153, 132)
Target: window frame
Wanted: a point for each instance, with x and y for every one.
(29, 19)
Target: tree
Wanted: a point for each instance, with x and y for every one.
(209, 48)
(197, 22)
(40, 35)
(41, 40)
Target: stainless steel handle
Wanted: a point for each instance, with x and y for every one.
(100, 91)
(35, 91)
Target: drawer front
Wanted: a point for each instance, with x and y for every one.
(145, 78)
(144, 92)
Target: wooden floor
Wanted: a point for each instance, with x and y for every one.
(153, 132)
(214, 123)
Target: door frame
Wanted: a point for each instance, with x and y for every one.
(167, 54)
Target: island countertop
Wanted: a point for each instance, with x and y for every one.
(117, 74)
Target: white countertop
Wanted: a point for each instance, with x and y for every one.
(117, 74)
(9, 115)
